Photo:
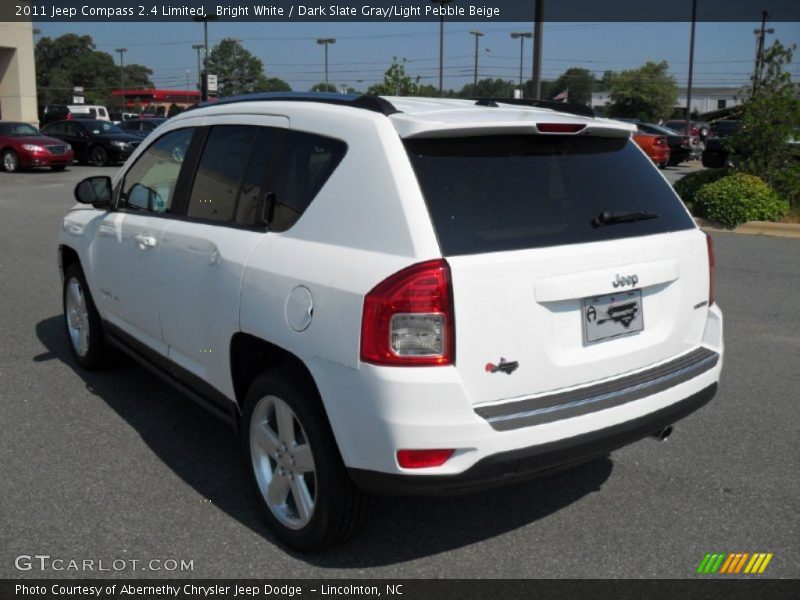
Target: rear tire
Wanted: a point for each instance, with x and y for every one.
(10, 161)
(82, 322)
(302, 485)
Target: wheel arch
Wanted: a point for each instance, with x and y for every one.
(67, 256)
(250, 356)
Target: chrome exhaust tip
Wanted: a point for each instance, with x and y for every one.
(663, 434)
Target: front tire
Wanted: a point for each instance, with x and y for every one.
(306, 495)
(82, 321)
(10, 161)
(99, 156)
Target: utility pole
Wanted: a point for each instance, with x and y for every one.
(761, 33)
(204, 81)
(477, 35)
(441, 4)
(537, 50)
(326, 42)
(521, 35)
(122, 52)
(199, 47)
(691, 73)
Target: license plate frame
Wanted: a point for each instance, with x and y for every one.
(609, 316)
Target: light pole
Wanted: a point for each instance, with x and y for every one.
(326, 42)
(478, 35)
(691, 74)
(537, 50)
(199, 47)
(122, 52)
(521, 35)
(761, 33)
(204, 81)
(441, 4)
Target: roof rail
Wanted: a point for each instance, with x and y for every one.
(566, 107)
(362, 101)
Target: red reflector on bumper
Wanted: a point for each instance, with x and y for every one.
(419, 459)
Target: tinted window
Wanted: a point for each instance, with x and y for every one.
(488, 194)
(306, 163)
(248, 206)
(55, 128)
(150, 183)
(220, 172)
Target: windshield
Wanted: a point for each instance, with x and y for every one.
(498, 193)
(18, 129)
(101, 127)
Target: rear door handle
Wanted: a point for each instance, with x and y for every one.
(145, 242)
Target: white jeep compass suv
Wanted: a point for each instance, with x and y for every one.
(397, 295)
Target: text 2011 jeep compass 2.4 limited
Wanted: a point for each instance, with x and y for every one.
(397, 295)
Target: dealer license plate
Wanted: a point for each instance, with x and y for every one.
(612, 315)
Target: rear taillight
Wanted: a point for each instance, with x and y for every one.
(69, 116)
(408, 318)
(419, 459)
(711, 264)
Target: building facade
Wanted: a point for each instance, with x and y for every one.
(17, 73)
(704, 99)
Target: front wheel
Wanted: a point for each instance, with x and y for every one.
(306, 495)
(99, 156)
(82, 321)
(10, 161)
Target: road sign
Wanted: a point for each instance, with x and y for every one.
(78, 100)
(212, 83)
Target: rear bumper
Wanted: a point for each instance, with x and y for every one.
(525, 463)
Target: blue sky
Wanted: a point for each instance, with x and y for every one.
(724, 51)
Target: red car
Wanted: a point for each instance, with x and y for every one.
(23, 146)
(655, 146)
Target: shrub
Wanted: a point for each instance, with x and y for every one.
(688, 186)
(739, 198)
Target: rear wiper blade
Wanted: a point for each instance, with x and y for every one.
(607, 218)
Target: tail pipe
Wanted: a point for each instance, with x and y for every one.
(663, 434)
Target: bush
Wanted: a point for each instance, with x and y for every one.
(688, 186)
(739, 198)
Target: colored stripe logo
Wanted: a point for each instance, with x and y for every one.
(734, 563)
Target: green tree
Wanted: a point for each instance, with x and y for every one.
(770, 118)
(579, 82)
(323, 87)
(606, 82)
(648, 93)
(72, 60)
(273, 84)
(486, 88)
(237, 69)
(396, 82)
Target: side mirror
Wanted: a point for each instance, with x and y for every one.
(95, 191)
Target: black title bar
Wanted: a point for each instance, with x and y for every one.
(394, 11)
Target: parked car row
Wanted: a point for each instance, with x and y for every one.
(665, 146)
(60, 142)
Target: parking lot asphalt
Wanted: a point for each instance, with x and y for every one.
(116, 465)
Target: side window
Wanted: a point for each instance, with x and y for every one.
(220, 173)
(306, 163)
(150, 182)
(73, 129)
(248, 206)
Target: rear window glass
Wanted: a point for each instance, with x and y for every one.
(499, 193)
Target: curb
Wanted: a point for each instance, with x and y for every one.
(788, 230)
